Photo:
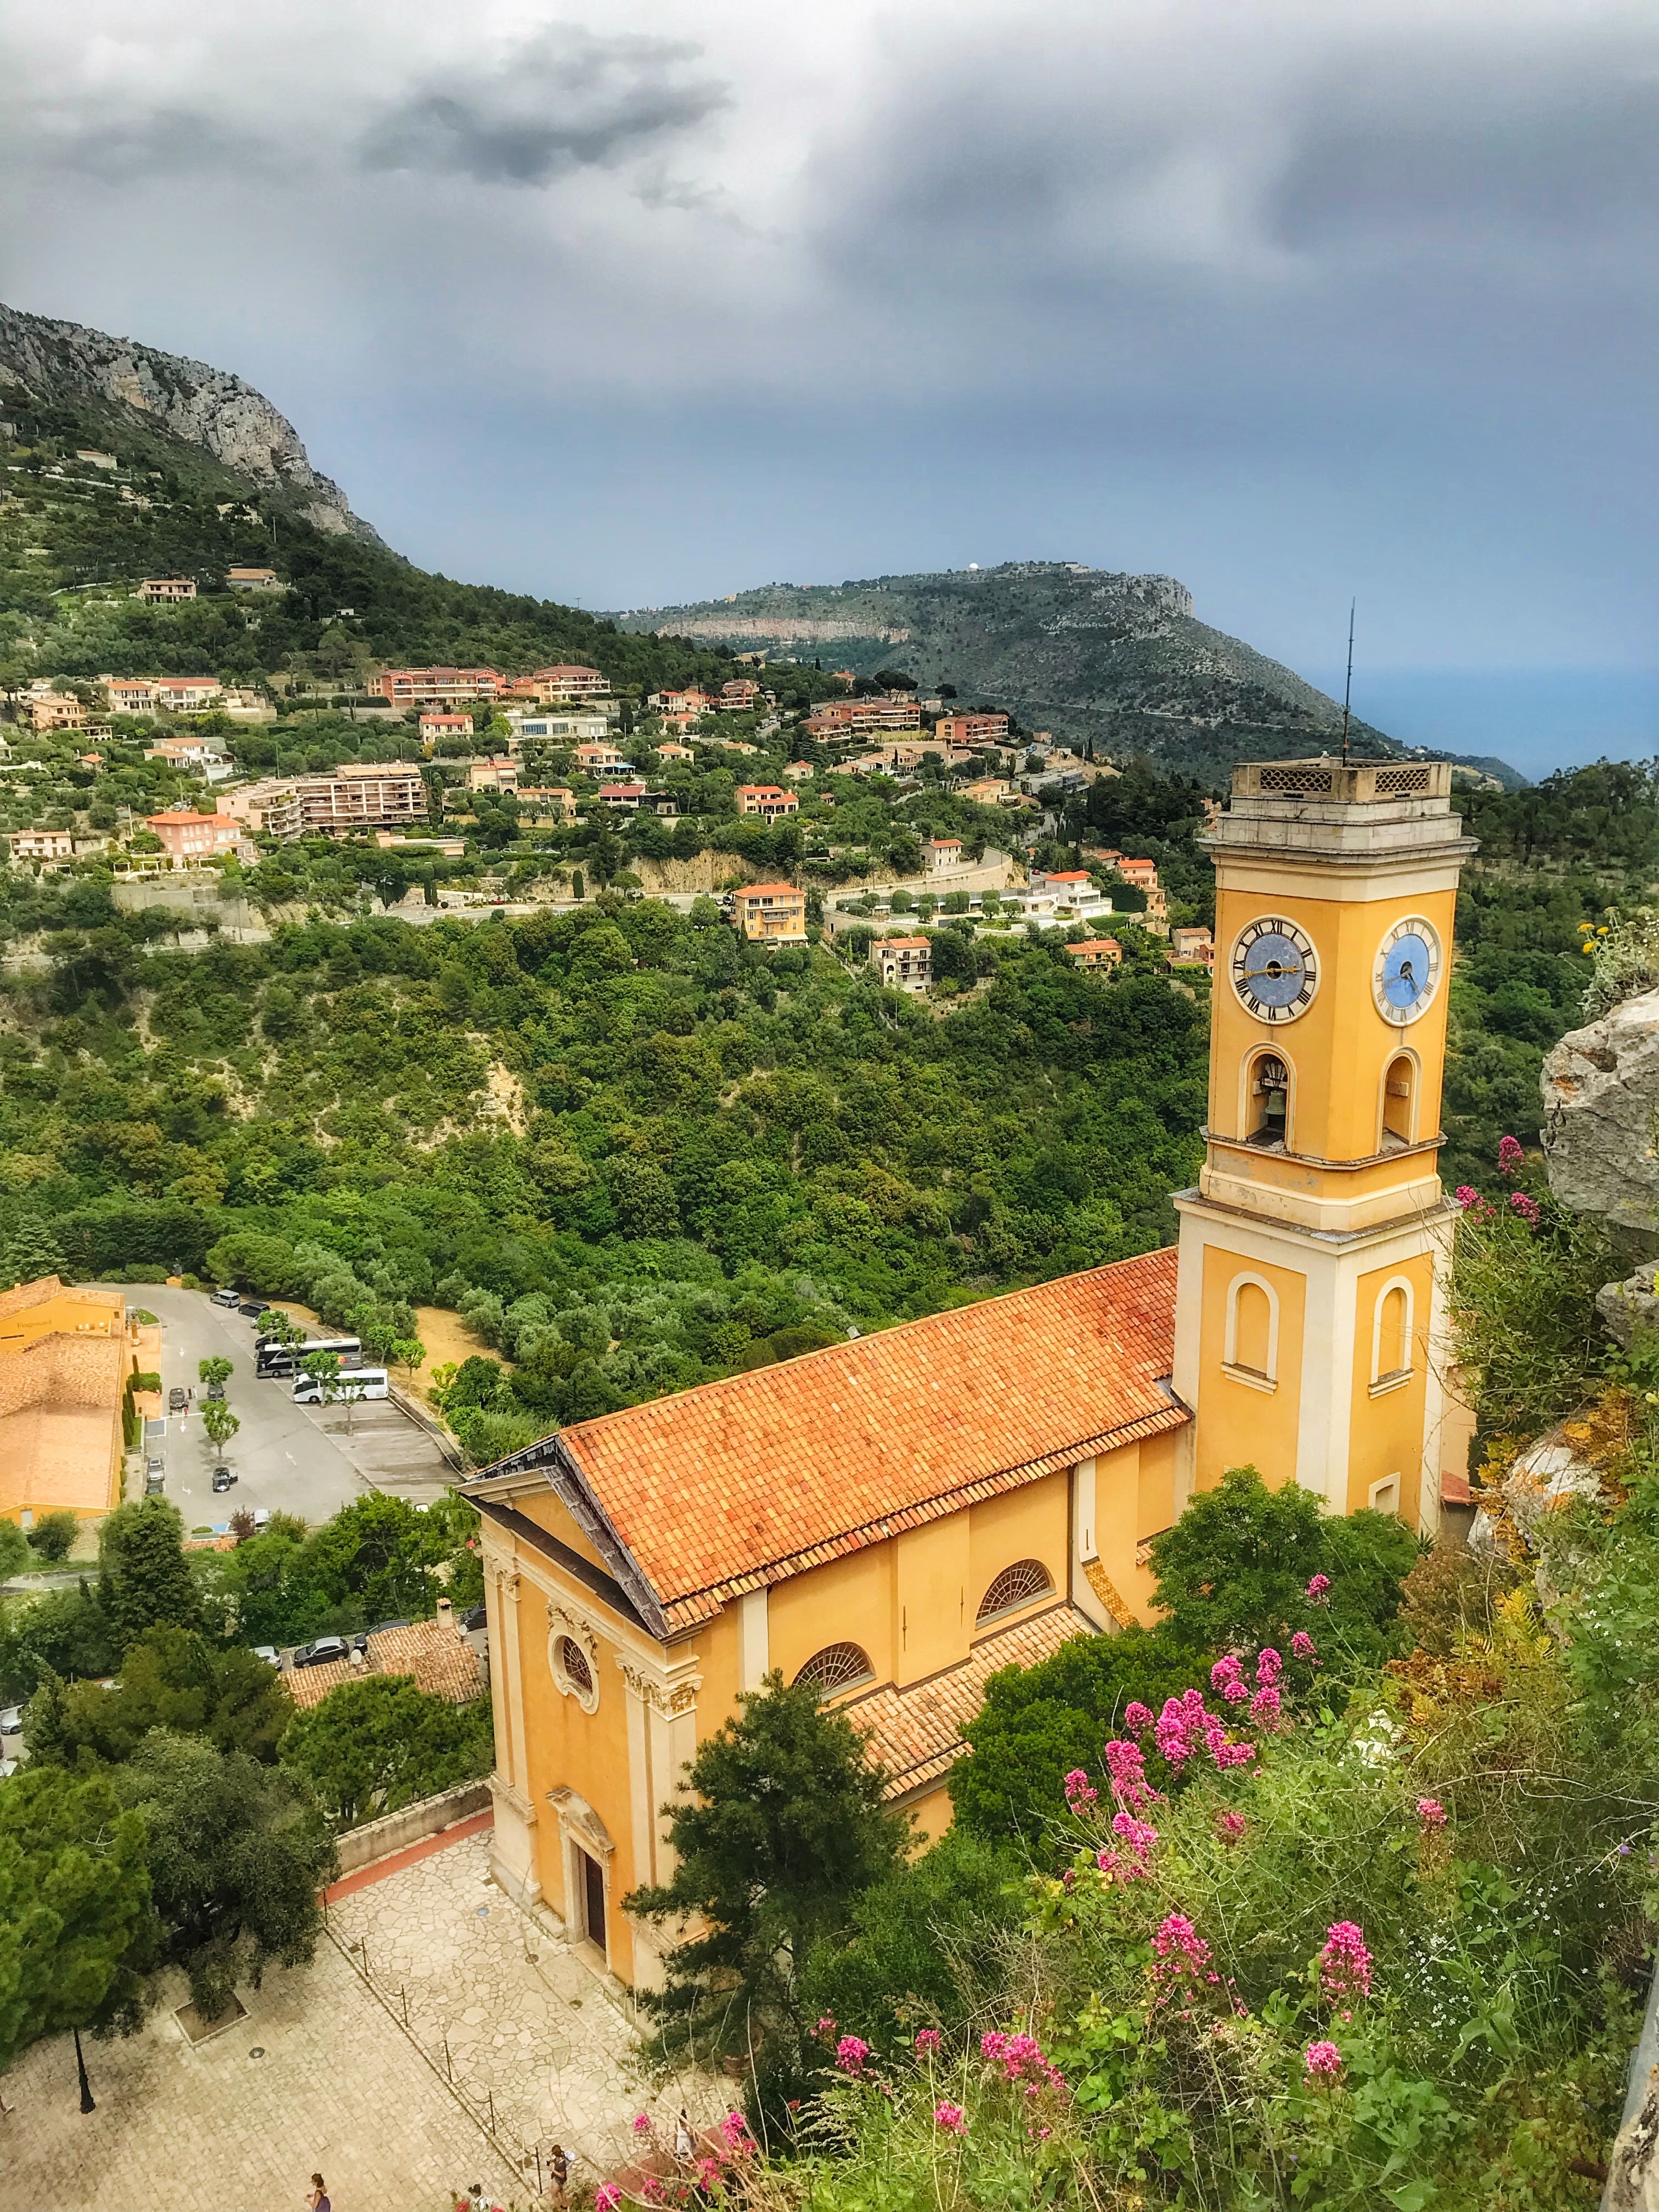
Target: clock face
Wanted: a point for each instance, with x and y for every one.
(1275, 970)
(1407, 970)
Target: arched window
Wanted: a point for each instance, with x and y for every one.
(1399, 1102)
(1267, 1099)
(837, 1667)
(1014, 1587)
(1251, 1349)
(574, 1662)
(1391, 1332)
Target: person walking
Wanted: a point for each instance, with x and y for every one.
(684, 2143)
(559, 2170)
(317, 2195)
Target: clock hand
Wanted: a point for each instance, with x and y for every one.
(1275, 968)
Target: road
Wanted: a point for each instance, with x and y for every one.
(290, 1458)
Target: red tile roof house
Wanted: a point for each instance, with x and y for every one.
(434, 726)
(767, 800)
(189, 837)
(1095, 953)
(771, 913)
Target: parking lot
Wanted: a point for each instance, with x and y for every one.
(294, 1459)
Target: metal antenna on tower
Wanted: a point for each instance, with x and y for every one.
(1347, 689)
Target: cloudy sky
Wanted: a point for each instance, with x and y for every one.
(1292, 299)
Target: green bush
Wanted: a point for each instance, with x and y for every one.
(53, 1536)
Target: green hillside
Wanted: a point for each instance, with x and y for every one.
(1119, 660)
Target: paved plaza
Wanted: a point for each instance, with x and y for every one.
(495, 2003)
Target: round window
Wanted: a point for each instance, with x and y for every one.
(572, 1660)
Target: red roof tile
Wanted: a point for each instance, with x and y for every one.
(739, 1484)
(916, 1734)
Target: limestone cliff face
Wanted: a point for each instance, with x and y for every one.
(206, 407)
(1601, 1097)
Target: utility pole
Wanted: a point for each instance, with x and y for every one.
(1347, 689)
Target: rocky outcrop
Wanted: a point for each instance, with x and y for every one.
(205, 407)
(1600, 1099)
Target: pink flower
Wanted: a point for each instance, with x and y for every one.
(1345, 1964)
(1269, 1667)
(1319, 1590)
(1431, 1812)
(1078, 1793)
(928, 2039)
(826, 2026)
(709, 2172)
(1183, 1957)
(1525, 1206)
(1323, 2061)
(1265, 1708)
(1230, 1828)
(1234, 1754)
(951, 2119)
(1234, 1692)
(1136, 1834)
(1225, 1670)
(1510, 1156)
(607, 2197)
(1302, 1645)
(1126, 1764)
(653, 2190)
(1466, 1195)
(734, 2132)
(642, 2124)
(850, 2054)
(1137, 1717)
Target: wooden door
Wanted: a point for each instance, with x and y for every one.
(593, 1899)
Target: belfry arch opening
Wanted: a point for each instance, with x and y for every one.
(1399, 1102)
(1267, 1100)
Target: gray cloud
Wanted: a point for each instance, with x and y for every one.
(565, 98)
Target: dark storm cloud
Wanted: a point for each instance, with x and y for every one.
(566, 99)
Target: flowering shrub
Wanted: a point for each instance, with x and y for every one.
(950, 2117)
(850, 2054)
(1345, 1964)
(1431, 1812)
(1322, 2061)
(927, 2041)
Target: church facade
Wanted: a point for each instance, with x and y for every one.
(896, 1518)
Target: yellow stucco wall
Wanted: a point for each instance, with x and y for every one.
(846, 1600)
(1242, 1425)
(1338, 1051)
(1386, 1435)
(542, 1507)
(1033, 1522)
(716, 1647)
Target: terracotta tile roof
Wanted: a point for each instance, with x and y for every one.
(739, 1484)
(309, 1685)
(443, 1664)
(916, 1734)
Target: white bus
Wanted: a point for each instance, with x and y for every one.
(274, 1358)
(352, 1387)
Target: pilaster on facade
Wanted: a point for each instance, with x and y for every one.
(662, 1742)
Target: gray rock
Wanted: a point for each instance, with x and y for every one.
(1633, 1304)
(207, 407)
(1601, 1098)
(1634, 2169)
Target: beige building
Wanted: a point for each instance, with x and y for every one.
(903, 964)
(361, 794)
(57, 710)
(768, 800)
(42, 844)
(63, 1364)
(254, 580)
(189, 838)
(502, 775)
(167, 591)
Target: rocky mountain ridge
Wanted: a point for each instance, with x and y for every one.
(60, 364)
(1118, 658)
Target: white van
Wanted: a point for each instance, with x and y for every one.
(351, 1386)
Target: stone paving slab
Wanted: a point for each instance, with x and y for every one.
(497, 1996)
(211, 2128)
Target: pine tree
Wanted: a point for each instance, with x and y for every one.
(144, 1577)
(30, 1253)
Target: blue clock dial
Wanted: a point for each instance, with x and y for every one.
(1275, 971)
(1407, 970)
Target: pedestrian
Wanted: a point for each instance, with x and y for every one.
(560, 2169)
(317, 2195)
(684, 2145)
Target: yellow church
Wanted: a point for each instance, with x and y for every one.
(898, 1517)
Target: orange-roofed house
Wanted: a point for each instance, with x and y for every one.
(767, 800)
(64, 1364)
(434, 726)
(1095, 953)
(893, 1520)
(903, 964)
(570, 681)
(770, 914)
(187, 838)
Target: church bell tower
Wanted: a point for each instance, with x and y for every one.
(1309, 1315)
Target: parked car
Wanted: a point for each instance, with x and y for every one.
(156, 1475)
(11, 1720)
(477, 1618)
(215, 1390)
(177, 1399)
(227, 1298)
(250, 1308)
(222, 1477)
(262, 1515)
(361, 1639)
(269, 1653)
(319, 1654)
